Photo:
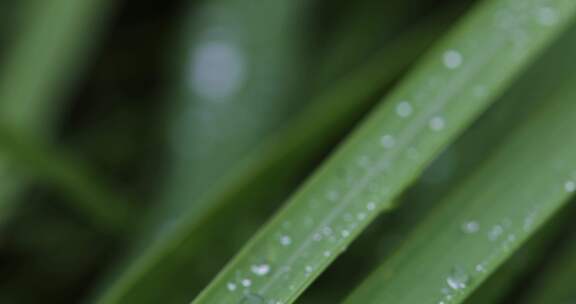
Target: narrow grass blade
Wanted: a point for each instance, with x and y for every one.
(92, 198)
(501, 286)
(485, 220)
(44, 60)
(455, 163)
(278, 162)
(474, 63)
(37, 72)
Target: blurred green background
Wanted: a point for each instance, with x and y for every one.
(116, 117)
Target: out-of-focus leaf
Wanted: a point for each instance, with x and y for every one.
(241, 204)
(234, 77)
(36, 75)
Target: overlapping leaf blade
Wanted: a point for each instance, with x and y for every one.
(278, 163)
(473, 64)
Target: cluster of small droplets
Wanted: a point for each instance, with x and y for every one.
(456, 281)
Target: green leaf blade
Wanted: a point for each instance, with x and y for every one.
(279, 162)
(486, 219)
(474, 63)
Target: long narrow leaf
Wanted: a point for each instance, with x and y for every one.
(279, 161)
(485, 220)
(474, 63)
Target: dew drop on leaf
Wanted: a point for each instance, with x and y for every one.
(495, 232)
(260, 269)
(452, 59)
(246, 282)
(458, 279)
(387, 141)
(285, 240)
(252, 298)
(404, 109)
(437, 123)
(570, 186)
(371, 206)
(470, 227)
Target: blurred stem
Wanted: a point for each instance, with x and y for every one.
(74, 179)
(45, 59)
(38, 71)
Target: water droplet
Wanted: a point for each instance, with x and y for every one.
(252, 298)
(332, 195)
(327, 253)
(452, 59)
(570, 186)
(480, 91)
(495, 232)
(317, 237)
(285, 240)
(361, 216)
(404, 109)
(218, 69)
(547, 16)
(260, 269)
(231, 286)
(437, 123)
(308, 268)
(327, 231)
(246, 282)
(388, 141)
(458, 279)
(529, 222)
(371, 206)
(470, 227)
(345, 233)
(480, 268)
